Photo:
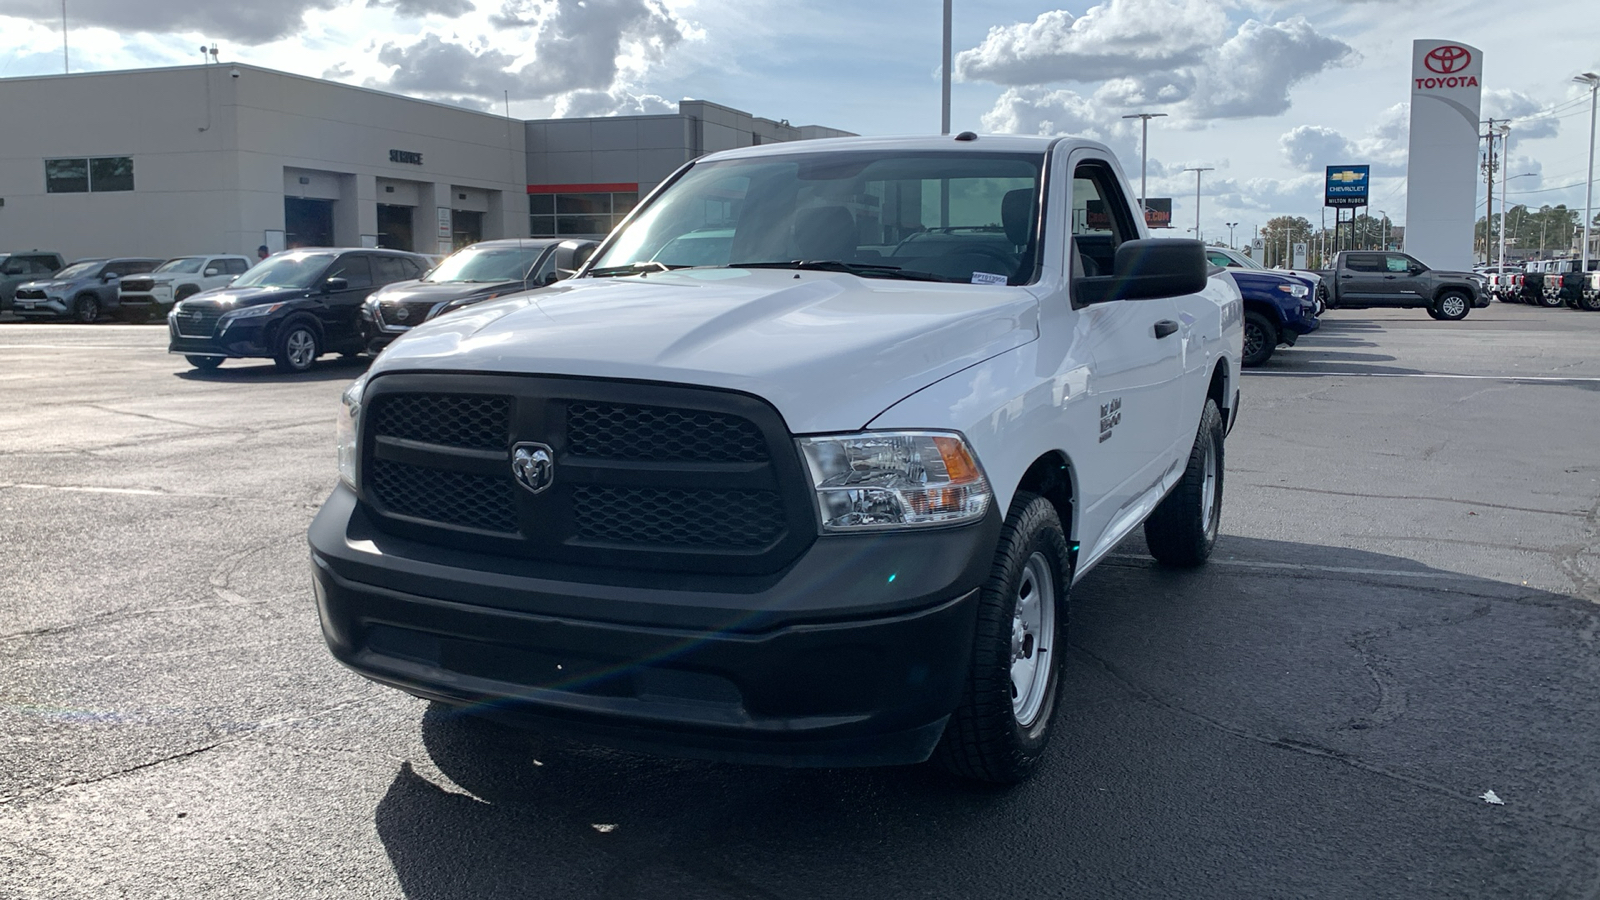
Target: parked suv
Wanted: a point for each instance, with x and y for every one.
(1278, 307)
(481, 271)
(83, 290)
(177, 279)
(816, 499)
(292, 307)
(1363, 279)
(23, 266)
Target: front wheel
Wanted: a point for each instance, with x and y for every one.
(999, 731)
(86, 309)
(1183, 528)
(1260, 338)
(297, 349)
(1451, 306)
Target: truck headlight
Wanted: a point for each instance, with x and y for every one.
(347, 431)
(895, 480)
(1294, 290)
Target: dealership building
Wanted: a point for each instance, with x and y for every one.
(225, 158)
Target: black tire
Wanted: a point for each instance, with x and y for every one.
(988, 738)
(1549, 301)
(1451, 306)
(1260, 339)
(204, 363)
(297, 347)
(1182, 529)
(1589, 302)
(1433, 313)
(86, 309)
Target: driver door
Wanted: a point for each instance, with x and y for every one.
(340, 310)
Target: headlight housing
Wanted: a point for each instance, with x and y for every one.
(347, 430)
(890, 480)
(251, 312)
(1294, 290)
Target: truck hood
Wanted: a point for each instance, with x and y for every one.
(829, 351)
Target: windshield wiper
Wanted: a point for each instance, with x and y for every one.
(633, 268)
(868, 270)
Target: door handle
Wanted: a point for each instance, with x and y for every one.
(1388, 278)
(1346, 276)
(1165, 327)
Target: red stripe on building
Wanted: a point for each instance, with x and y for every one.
(618, 187)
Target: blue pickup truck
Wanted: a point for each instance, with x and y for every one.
(1278, 307)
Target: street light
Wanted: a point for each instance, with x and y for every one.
(1593, 81)
(1383, 230)
(1197, 170)
(1144, 155)
(1505, 163)
(1230, 234)
(944, 107)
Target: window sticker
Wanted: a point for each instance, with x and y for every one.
(987, 278)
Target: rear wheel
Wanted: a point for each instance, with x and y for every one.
(298, 348)
(86, 309)
(1183, 528)
(1548, 300)
(1590, 302)
(1260, 339)
(1000, 730)
(1452, 306)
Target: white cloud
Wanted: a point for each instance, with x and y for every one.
(245, 23)
(1252, 72)
(619, 102)
(416, 9)
(1310, 148)
(1116, 39)
(1522, 110)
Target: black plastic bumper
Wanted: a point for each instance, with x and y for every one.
(854, 655)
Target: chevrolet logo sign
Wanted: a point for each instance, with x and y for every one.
(1347, 176)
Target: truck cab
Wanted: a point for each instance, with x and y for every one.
(816, 495)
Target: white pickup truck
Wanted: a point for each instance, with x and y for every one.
(800, 467)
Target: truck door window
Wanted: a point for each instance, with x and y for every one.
(1100, 220)
(354, 269)
(1397, 263)
(1364, 262)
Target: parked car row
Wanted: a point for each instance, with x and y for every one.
(1280, 306)
(38, 284)
(1549, 283)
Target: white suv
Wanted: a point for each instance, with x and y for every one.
(816, 498)
(153, 295)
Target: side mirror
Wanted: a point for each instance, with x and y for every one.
(571, 255)
(109, 277)
(211, 273)
(1416, 269)
(335, 284)
(1148, 269)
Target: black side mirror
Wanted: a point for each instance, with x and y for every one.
(335, 284)
(1148, 269)
(571, 255)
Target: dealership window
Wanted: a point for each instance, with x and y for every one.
(85, 174)
(560, 215)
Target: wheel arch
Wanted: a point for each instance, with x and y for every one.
(1052, 477)
(1218, 391)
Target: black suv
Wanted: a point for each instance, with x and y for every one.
(293, 307)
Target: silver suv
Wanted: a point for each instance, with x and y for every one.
(179, 278)
(82, 290)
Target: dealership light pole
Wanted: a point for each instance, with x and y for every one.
(1144, 158)
(1505, 166)
(1593, 81)
(1230, 234)
(66, 66)
(1197, 170)
(944, 107)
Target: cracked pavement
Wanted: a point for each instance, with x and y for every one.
(1403, 613)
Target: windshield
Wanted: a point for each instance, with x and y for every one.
(951, 216)
(182, 264)
(290, 270)
(486, 264)
(79, 269)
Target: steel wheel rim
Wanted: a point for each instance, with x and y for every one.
(1033, 626)
(302, 347)
(1208, 488)
(1452, 306)
(1253, 339)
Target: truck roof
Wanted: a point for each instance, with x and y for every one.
(1014, 143)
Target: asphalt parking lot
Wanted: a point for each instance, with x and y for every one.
(1403, 615)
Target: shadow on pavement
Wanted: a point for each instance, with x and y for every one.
(1290, 720)
(254, 371)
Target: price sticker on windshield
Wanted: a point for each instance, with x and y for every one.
(988, 278)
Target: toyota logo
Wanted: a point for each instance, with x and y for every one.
(534, 466)
(1447, 59)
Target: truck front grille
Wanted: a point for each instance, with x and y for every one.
(138, 285)
(646, 476)
(197, 321)
(30, 294)
(404, 315)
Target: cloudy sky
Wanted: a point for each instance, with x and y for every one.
(1265, 91)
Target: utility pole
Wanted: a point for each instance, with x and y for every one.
(1488, 177)
(944, 108)
(1144, 159)
(1593, 82)
(1505, 166)
(66, 66)
(1197, 170)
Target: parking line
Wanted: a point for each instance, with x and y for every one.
(1304, 567)
(1568, 379)
(4, 346)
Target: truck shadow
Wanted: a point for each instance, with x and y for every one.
(252, 371)
(1291, 719)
